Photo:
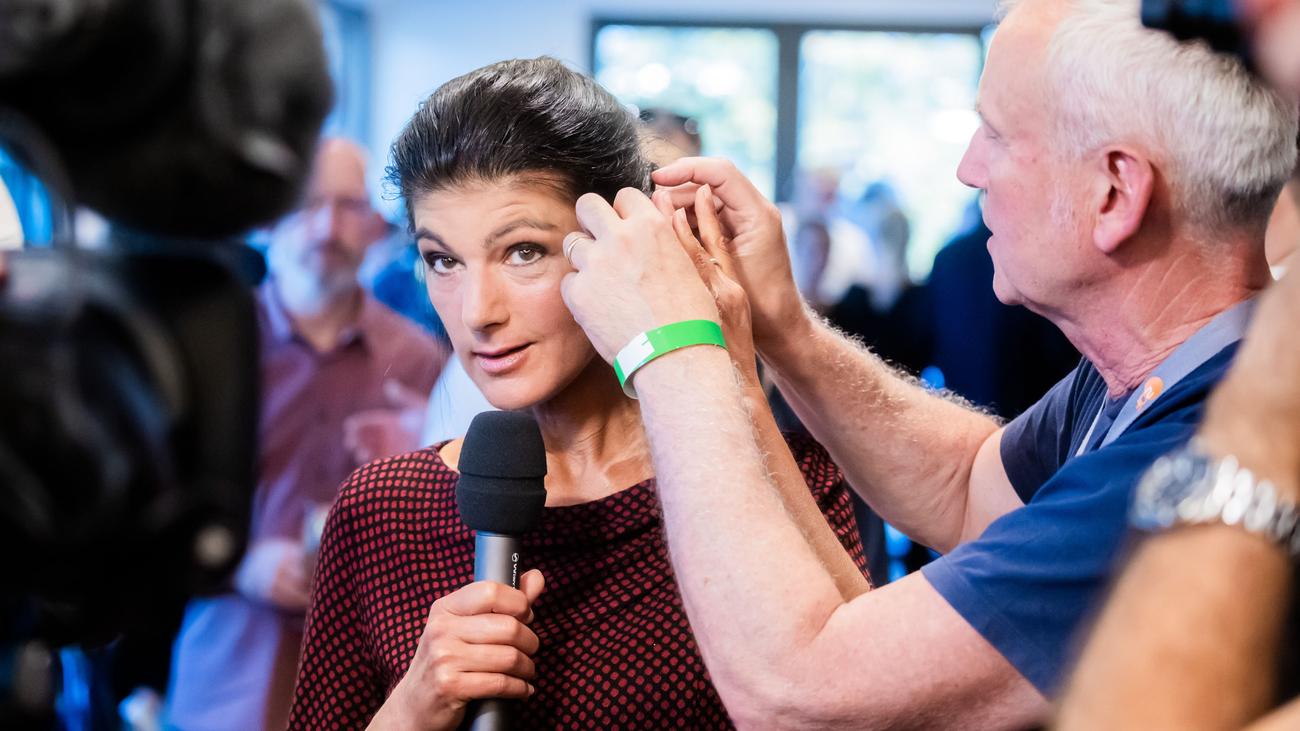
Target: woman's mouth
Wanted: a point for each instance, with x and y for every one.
(501, 360)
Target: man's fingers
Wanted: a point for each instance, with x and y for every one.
(711, 235)
(683, 196)
(689, 243)
(577, 247)
(663, 202)
(596, 215)
(706, 220)
(631, 202)
(700, 170)
(704, 264)
(730, 187)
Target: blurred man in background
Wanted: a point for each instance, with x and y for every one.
(329, 350)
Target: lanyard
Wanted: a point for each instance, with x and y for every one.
(1226, 328)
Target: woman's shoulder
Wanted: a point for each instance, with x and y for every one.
(420, 475)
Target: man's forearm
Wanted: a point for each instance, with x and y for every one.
(909, 452)
(733, 546)
(798, 499)
(1209, 602)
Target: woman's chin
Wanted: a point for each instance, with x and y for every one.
(511, 398)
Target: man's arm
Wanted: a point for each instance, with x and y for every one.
(1190, 637)
(928, 465)
(715, 267)
(783, 646)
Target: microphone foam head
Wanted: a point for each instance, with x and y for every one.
(502, 473)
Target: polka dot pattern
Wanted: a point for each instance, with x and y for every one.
(616, 649)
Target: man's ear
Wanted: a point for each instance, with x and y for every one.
(1127, 180)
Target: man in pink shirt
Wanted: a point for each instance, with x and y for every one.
(329, 351)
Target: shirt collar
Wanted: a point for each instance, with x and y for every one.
(281, 325)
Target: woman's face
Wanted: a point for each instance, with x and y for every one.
(493, 263)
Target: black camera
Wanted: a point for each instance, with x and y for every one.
(129, 389)
(1214, 21)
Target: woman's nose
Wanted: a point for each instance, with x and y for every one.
(482, 301)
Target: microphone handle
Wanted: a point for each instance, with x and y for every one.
(496, 558)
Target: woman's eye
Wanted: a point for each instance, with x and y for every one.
(439, 263)
(521, 255)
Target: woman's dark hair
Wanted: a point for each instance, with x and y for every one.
(520, 117)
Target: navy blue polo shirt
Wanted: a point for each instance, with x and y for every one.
(1028, 583)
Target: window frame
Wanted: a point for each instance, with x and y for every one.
(789, 39)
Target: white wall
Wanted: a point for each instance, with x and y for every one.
(419, 44)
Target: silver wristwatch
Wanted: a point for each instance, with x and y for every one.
(1189, 487)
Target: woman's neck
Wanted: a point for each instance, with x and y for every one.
(595, 444)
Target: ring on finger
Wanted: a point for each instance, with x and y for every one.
(573, 240)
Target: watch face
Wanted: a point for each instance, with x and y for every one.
(1169, 482)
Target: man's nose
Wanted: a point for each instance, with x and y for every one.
(972, 171)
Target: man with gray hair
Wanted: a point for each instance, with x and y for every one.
(1127, 183)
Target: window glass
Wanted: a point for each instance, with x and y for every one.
(896, 108)
(723, 78)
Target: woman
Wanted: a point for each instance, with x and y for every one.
(399, 635)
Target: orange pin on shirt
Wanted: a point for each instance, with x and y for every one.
(1150, 390)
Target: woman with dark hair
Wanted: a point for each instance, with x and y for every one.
(399, 635)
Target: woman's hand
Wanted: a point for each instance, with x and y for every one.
(713, 262)
(476, 644)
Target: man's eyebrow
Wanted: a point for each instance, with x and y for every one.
(519, 223)
(979, 112)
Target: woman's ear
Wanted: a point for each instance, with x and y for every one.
(1127, 180)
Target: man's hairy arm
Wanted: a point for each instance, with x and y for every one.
(783, 646)
(929, 465)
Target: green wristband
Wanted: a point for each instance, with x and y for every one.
(662, 340)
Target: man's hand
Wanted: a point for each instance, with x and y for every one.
(757, 243)
(274, 571)
(376, 433)
(712, 258)
(632, 275)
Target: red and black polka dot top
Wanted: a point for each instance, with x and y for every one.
(616, 649)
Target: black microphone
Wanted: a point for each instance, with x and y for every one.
(500, 494)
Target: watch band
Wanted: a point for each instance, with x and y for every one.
(1228, 494)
